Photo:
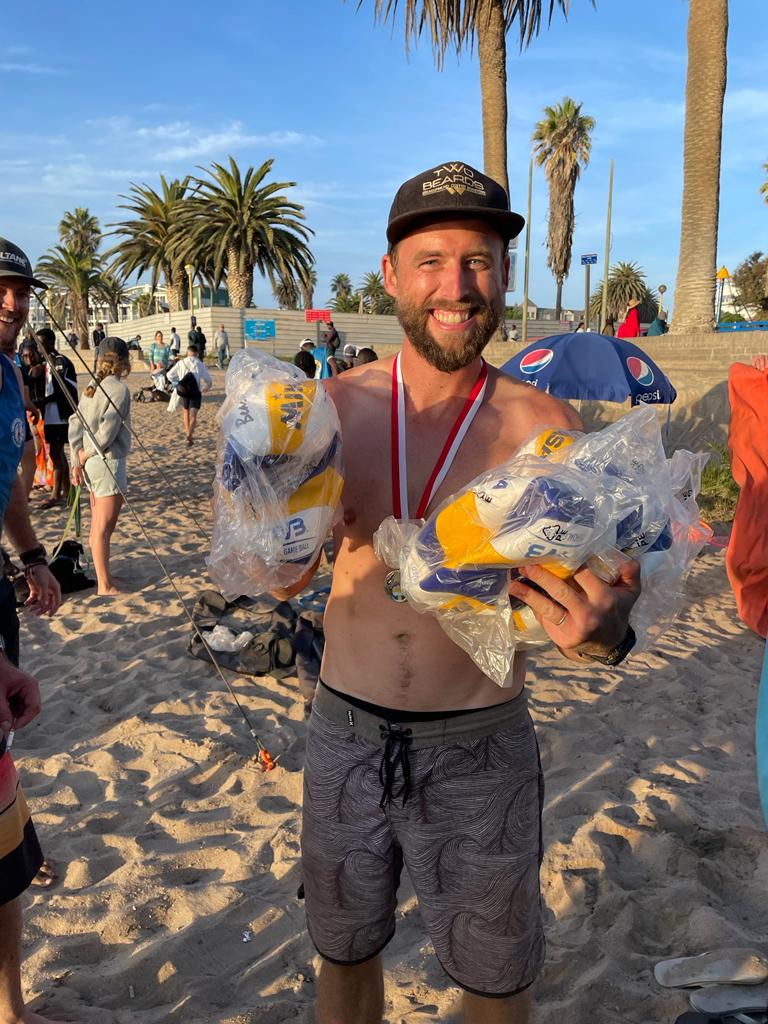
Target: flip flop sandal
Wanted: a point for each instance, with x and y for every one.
(49, 503)
(731, 999)
(718, 967)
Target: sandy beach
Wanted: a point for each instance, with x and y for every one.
(172, 846)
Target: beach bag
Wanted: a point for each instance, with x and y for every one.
(188, 386)
(270, 652)
(67, 569)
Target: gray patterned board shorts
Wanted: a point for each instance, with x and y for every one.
(458, 801)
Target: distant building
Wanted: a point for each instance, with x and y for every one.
(548, 313)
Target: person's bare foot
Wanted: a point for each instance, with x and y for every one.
(109, 591)
(45, 877)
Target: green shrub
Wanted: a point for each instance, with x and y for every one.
(719, 491)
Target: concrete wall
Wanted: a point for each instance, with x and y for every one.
(697, 365)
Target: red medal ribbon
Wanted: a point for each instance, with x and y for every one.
(446, 456)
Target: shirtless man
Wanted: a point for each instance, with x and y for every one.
(413, 755)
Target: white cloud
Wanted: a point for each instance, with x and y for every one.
(191, 142)
(746, 104)
(15, 67)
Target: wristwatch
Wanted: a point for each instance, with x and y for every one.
(618, 654)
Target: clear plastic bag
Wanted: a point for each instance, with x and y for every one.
(566, 500)
(279, 476)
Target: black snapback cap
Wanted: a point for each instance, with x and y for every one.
(452, 190)
(15, 263)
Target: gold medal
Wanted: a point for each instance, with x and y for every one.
(392, 586)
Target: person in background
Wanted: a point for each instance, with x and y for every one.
(609, 327)
(33, 391)
(658, 325)
(201, 341)
(98, 336)
(306, 362)
(221, 342)
(365, 355)
(159, 354)
(20, 855)
(72, 338)
(191, 377)
(512, 335)
(57, 409)
(630, 325)
(175, 343)
(102, 424)
(579, 327)
(332, 339)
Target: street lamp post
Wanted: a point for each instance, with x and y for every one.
(190, 274)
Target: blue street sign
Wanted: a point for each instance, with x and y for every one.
(591, 257)
(258, 330)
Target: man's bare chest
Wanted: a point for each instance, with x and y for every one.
(368, 462)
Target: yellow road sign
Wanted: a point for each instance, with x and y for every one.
(722, 274)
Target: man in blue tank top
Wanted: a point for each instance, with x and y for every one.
(20, 854)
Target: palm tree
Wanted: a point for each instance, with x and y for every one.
(145, 304)
(372, 292)
(152, 237)
(286, 293)
(111, 288)
(704, 94)
(307, 284)
(341, 288)
(458, 23)
(345, 302)
(76, 274)
(246, 224)
(625, 281)
(80, 231)
(562, 145)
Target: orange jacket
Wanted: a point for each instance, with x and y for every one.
(747, 556)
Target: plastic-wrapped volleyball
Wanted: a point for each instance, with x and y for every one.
(279, 476)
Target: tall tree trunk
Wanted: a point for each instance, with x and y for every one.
(239, 282)
(492, 51)
(80, 317)
(176, 289)
(559, 299)
(704, 92)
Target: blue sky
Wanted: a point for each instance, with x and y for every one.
(97, 96)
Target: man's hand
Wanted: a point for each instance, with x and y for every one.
(583, 614)
(760, 362)
(19, 697)
(77, 476)
(44, 591)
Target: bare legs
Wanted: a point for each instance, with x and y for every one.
(355, 995)
(189, 421)
(12, 1010)
(104, 513)
(350, 995)
(60, 471)
(513, 1010)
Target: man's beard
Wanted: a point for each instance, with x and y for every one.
(415, 322)
(9, 333)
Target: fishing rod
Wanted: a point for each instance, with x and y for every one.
(265, 759)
